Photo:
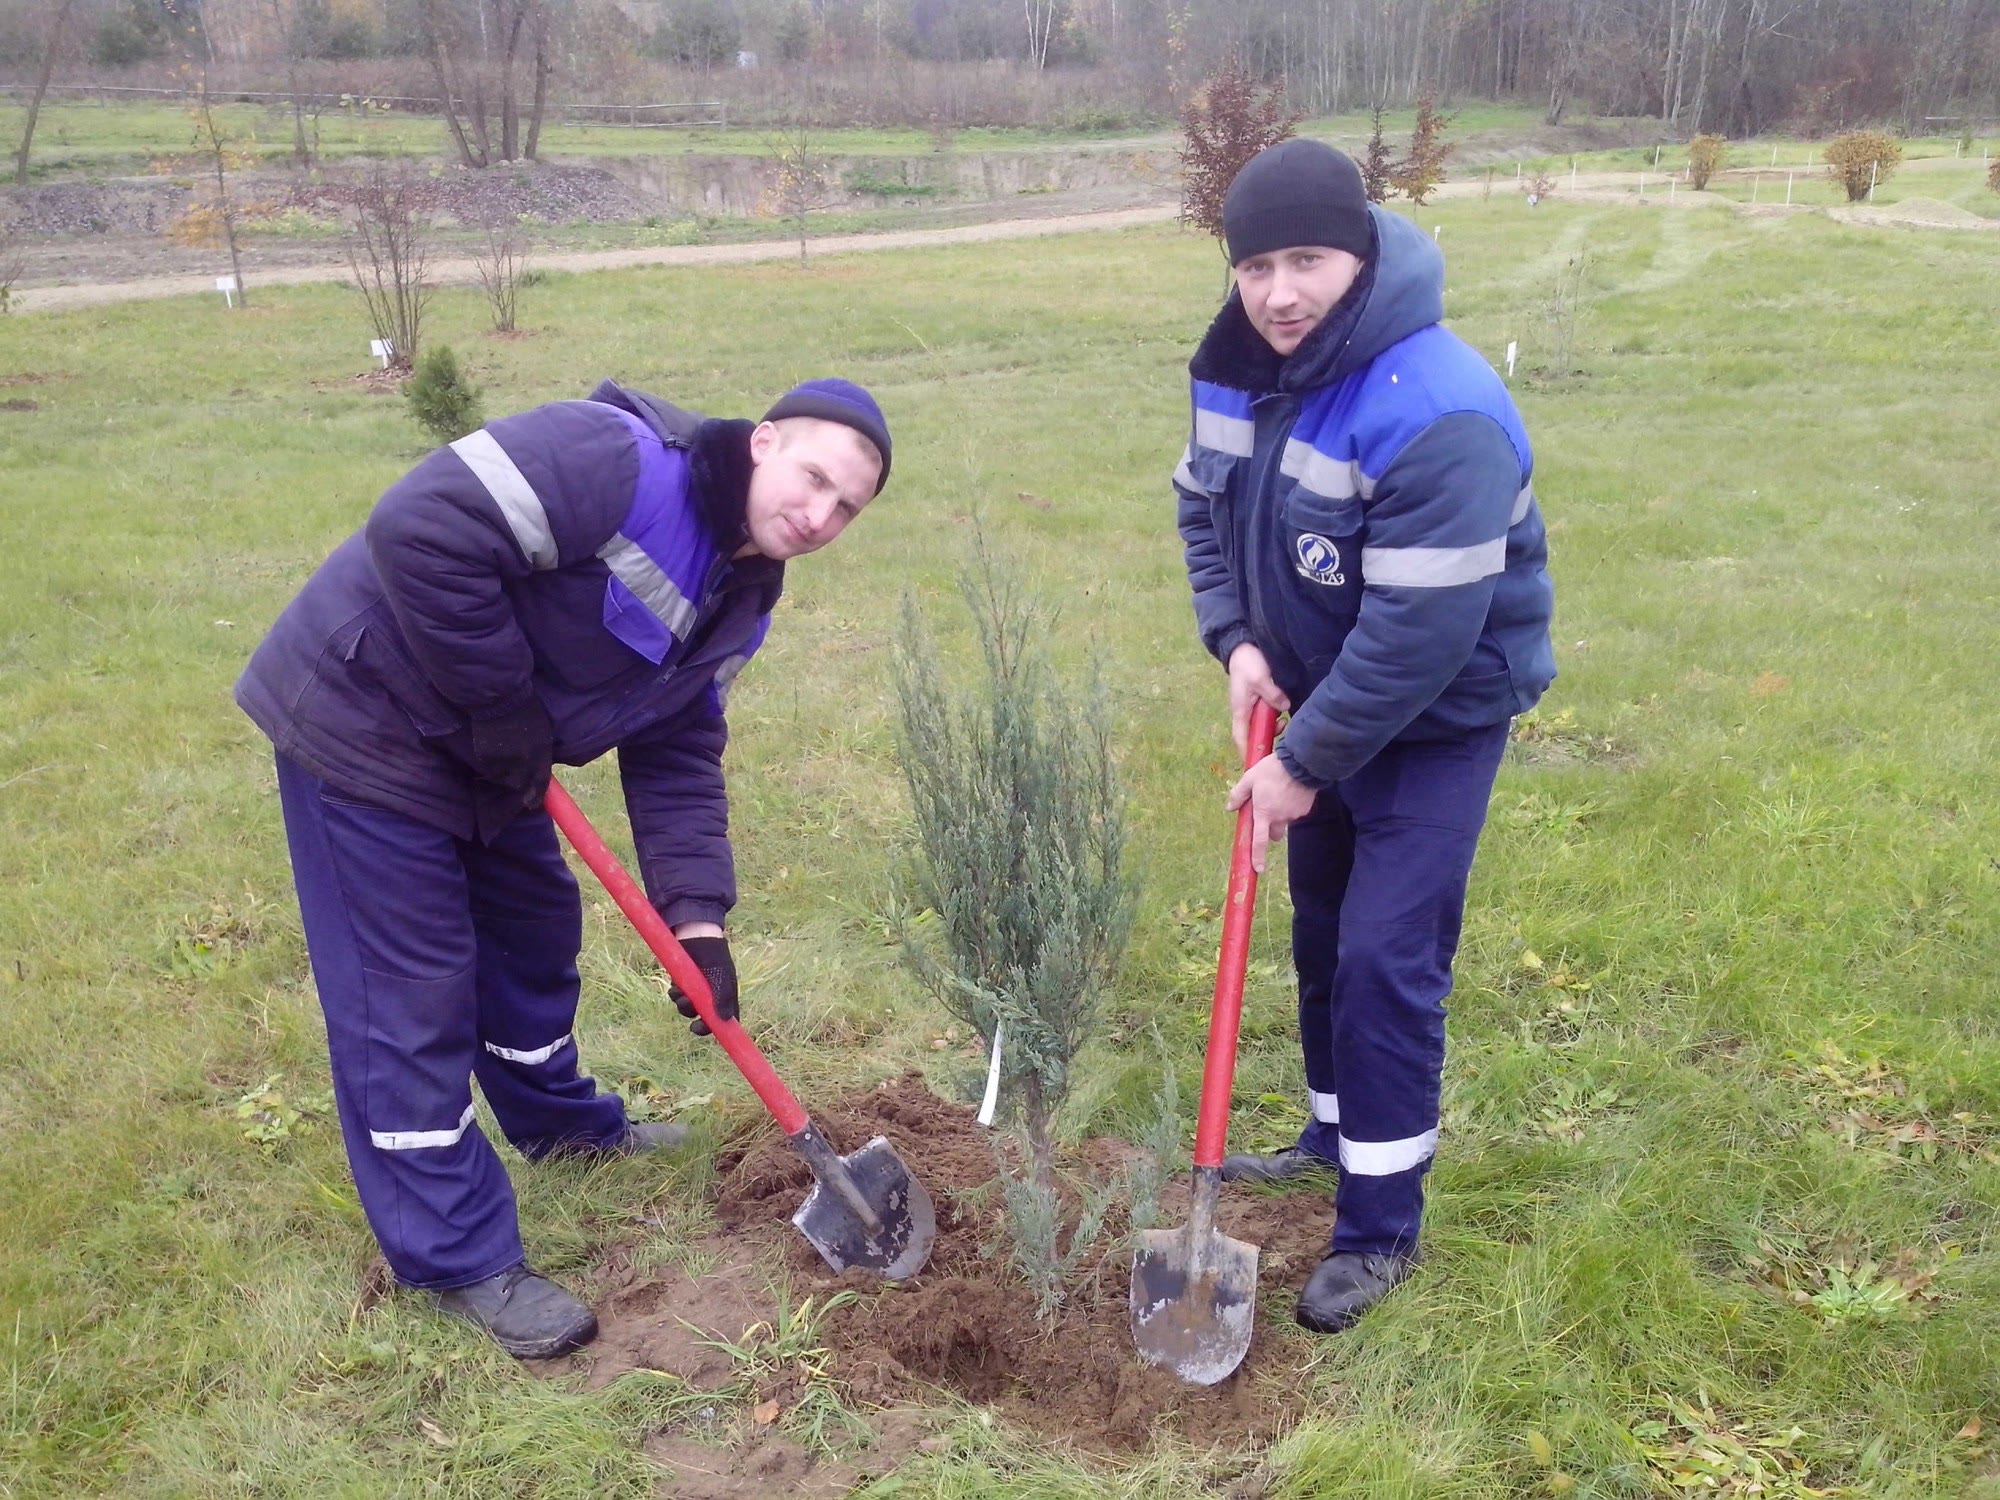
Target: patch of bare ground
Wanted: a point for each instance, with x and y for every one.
(968, 1326)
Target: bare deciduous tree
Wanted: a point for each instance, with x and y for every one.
(11, 267)
(216, 216)
(58, 24)
(804, 179)
(500, 265)
(388, 251)
(478, 50)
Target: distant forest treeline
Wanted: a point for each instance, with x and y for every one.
(1729, 66)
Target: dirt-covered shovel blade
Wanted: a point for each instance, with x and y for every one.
(866, 1210)
(1194, 1294)
(1194, 1290)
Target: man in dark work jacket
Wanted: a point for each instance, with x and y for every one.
(584, 576)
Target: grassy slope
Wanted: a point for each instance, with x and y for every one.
(1756, 820)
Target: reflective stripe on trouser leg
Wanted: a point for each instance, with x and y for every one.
(1416, 811)
(390, 936)
(1319, 849)
(528, 921)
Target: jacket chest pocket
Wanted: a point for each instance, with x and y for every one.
(1322, 539)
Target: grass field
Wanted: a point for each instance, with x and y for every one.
(1720, 1182)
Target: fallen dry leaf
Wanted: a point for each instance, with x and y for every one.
(432, 1431)
(1971, 1430)
(764, 1413)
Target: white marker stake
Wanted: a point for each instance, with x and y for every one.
(382, 349)
(1774, 156)
(1673, 186)
(1656, 157)
(1788, 189)
(1756, 182)
(1435, 229)
(992, 1077)
(1873, 168)
(227, 285)
(1512, 348)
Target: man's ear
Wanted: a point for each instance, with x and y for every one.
(763, 438)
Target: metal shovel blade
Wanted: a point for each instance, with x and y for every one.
(865, 1211)
(1194, 1292)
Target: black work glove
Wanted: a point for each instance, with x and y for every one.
(514, 752)
(711, 956)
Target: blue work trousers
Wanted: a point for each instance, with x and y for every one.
(438, 960)
(1378, 876)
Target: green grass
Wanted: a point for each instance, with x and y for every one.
(1724, 1025)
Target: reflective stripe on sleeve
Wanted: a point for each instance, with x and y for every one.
(1433, 567)
(649, 584)
(1184, 476)
(419, 1140)
(509, 487)
(1523, 503)
(537, 1055)
(1386, 1158)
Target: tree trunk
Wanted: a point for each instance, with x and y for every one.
(41, 87)
(435, 37)
(543, 68)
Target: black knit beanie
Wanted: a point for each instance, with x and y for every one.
(1297, 192)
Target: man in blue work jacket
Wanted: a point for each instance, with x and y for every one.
(585, 576)
(1366, 553)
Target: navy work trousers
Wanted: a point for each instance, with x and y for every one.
(439, 959)
(1378, 876)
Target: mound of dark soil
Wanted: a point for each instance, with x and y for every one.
(968, 1324)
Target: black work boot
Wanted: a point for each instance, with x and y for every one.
(1292, 1164)
(1345, 1285)
(651, 1135)
(528, 1315)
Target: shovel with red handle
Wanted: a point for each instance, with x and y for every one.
(865, 1209)
(1194, 1289)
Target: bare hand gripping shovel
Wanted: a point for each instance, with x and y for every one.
(865, 1210)
(1194, 1290)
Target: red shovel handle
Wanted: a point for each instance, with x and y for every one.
(1224, 1017)
(666, 947)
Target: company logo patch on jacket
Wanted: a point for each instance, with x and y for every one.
(1319, 560)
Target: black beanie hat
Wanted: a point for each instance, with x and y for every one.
(842, 401)
(1297, 192)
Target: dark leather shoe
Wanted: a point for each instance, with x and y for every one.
(528, 1315)
(1345, 1285)
(1289, 1165)
(651, 1135)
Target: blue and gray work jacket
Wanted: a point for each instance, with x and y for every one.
(1363, 512)
(579, 553)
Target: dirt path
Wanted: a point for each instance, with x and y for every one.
(464, 272)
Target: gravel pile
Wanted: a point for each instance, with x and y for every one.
(71, 208)
(494, 196)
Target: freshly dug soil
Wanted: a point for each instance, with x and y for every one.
(968, 1324)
